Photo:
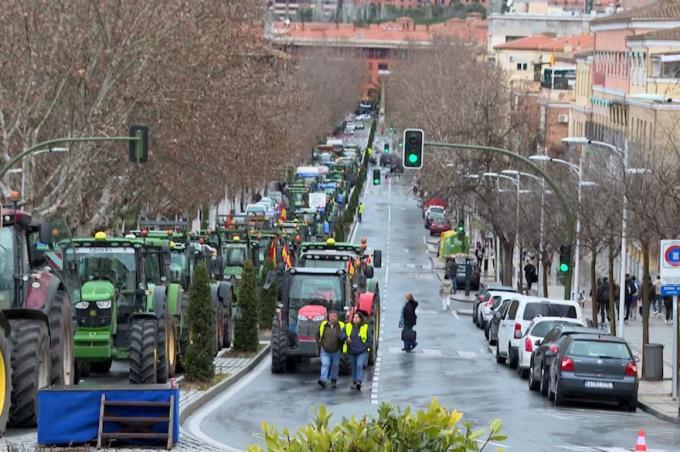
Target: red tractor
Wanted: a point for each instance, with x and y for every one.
(36, 331)
(305, 297)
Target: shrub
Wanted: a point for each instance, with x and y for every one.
(432, 429)
(245, 334)
(201, 350)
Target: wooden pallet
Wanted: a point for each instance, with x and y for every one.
(135, 427)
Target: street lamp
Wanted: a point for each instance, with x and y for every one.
(577, 250)
(622, 155)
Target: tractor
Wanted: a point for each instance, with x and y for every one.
(36, 338)
(124, 312)
(305, 297)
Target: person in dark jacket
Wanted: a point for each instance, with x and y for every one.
(358, 337)
(602, 297)
(408, 321)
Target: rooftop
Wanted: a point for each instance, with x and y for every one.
(668, 10)
(548, 43)
(397, 33)
(668, 33)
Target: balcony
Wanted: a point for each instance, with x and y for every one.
(598, 78)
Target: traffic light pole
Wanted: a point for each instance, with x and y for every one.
(568, 213)
(54, 142)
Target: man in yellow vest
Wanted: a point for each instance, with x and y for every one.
(331, 336)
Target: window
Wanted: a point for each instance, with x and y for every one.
(513, 310)
(533, 310)
(382, 66)
(599, 349)
(521, 66)
(541, 329)
(152, 268)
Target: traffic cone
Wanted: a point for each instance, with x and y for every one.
(641, 445)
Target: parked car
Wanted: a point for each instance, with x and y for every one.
(386, 160)
(439, 225)
(491, 330)
(486, 309)
(544, 352)
(535, 332)
(433, 210)
(432, 215)
(594, 367)
(363, 117)
(483, 296)
(522, 311)
(359, 126)
(460, 272)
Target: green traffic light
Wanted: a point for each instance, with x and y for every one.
(376, 181)
(564, 268)
(412, 158)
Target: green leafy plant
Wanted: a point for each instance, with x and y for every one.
(267, 297)
(201, 350)
(434, 428)
(246, 331)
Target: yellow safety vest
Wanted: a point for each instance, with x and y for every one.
(323, 327)
(363, 334)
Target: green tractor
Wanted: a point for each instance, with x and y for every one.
(127, 310)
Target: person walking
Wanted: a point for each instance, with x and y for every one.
(668, 307)
(629, 288)
(530, 274)
(658, 300)
(330, 342)
(445, 289)
(358, 338)
(362, 209)
(602, 294)
(407, 322)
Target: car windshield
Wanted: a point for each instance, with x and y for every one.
(324, 263)
(6, 266)
(543, 309)
(437, 215)
(324, 288)
(436, 209)
(599, 349)
(541, 329)
(236, 256)
(115, 264)
(496, 301)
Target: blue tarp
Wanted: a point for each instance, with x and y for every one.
(71, 416)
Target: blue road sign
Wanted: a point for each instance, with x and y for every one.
(670, 290)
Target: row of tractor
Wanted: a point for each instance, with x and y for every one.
(70, 307)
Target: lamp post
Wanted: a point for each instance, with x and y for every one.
(577, 248)
(622, 155)
(541, 233)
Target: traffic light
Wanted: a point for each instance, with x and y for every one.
(376, 176)
(139, 149)
(565, 258)
(461, 227)
(386, 149)
(414, 139)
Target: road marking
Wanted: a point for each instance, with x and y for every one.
(467, 355)
(455, 314)
(195, 421)
(432, 352)
(387, 274)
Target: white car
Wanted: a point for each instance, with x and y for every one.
(364, 117)
(359, 126)
(485, 310)
(533, 336)
(522, 311)
(256, 210)
(431, 209)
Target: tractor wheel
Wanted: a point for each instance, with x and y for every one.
(143, 355)
(61, 340)
(167, 348)
(100, 367)
(279, 345)
(345, 365)
(5, 381)
(31, 371)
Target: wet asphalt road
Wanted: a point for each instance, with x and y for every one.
(452, 362)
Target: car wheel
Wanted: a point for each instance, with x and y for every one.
(551, 394)
(512, 359)
(523, 372)
(628, 405)
(499, 358)
(557, 395)
(533, 384)
(544, 384)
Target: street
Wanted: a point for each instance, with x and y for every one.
(452, 363)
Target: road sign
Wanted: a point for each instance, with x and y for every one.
(669, 265)
(670, 290)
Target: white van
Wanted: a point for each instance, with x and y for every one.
(522, 311)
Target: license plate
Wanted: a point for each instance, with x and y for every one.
(599, 384)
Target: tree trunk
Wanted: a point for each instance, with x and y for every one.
(545, 278)
(612, 292)
(593, 286)
(506, 268)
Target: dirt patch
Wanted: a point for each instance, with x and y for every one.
(203, 386)
(236, 354)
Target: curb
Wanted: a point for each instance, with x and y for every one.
(463, 300)
(656, 413)
(465, 312)
(213, 392)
